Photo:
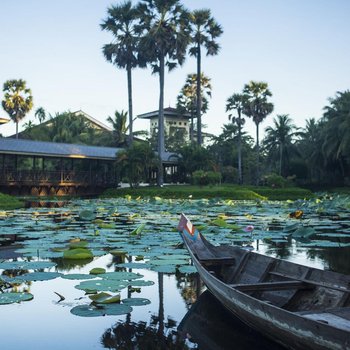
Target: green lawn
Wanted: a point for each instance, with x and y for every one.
(219, 191)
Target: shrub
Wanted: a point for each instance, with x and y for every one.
(275, 181)
(229, 174)
(203, 178)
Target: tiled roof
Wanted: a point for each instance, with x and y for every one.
(54, 149)
(169, 111)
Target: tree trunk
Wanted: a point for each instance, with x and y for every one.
(16, 129)
(160, 177)
(199, 97)
(257, 155)
(191, 127)
(130, 105)
(281, 158)
(240, 178)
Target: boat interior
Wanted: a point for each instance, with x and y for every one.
(313, 293)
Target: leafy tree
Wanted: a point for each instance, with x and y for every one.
(279, 141)
(165, 37)
(336, 145)
(258, 108)
(136, 161)
(123, 51)
(18, 100)
(237, 102)
(193, 158)
(187, 99)
(40, 113)
(205, 30)
(310, 148)
(119, 127)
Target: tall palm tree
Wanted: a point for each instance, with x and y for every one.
(165, 37)
(237, 102)
(18, 100)
(205, 30)
(123, 51)
(40, 113)
(258, 108)
(187, 99)
(119, 127)
(279, 138)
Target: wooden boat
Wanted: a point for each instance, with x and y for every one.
(298, 306)
(212, 327)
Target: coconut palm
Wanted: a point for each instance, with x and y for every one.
(165, 37)
(119, 127)
(279, 140)
(205, 30)
(237, 102)
(187, 99)
(258, 108)
(40, 113)
(123, 51)
(18, 100)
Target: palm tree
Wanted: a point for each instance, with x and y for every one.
(258, 108)
(123, 51)
(187, 99)
(279, 139)
(119, 127)
(237, 102)
(205, 31)
(40, 113)
(165, 29)
(18, 100)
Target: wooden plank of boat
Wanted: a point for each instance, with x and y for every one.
(298, 306)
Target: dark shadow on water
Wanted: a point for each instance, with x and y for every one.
(212, 327)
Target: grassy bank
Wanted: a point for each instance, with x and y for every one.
(220, 191)
(9, 202)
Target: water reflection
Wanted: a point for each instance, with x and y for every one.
(209, 326)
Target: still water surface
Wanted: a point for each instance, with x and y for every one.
(180, 314)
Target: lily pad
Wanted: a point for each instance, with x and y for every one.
(102, 285)
(101, 310)
(187, 269)
(78, 276)
(10, 298)
(136, 301)
(141, 283)
(40, 276)
(26, 265)
(164, 268)
(97, 271)
(87, 215)
(120, 276)
(77, 254)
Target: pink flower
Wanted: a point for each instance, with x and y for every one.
(248, 228)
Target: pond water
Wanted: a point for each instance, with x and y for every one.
(47, 256)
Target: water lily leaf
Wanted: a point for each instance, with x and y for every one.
(77, 244)
(168, 262)
(40, 276)
(164, 268)
(137, 231)
(26, 265)
(78, 254)
(10, 298)
(105, 298)
(101, 310)
(87, 215)
(102, 285)
(97, 271)
(187, 269)
(304, 232)
(136, 301)
(117, 252)
(120, 276)
(134, 265)
(77, 276)
(174, 256)
(141, 283)
(291, 227)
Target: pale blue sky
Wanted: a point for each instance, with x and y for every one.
(299, 47)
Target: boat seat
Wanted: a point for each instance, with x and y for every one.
(271, 286)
